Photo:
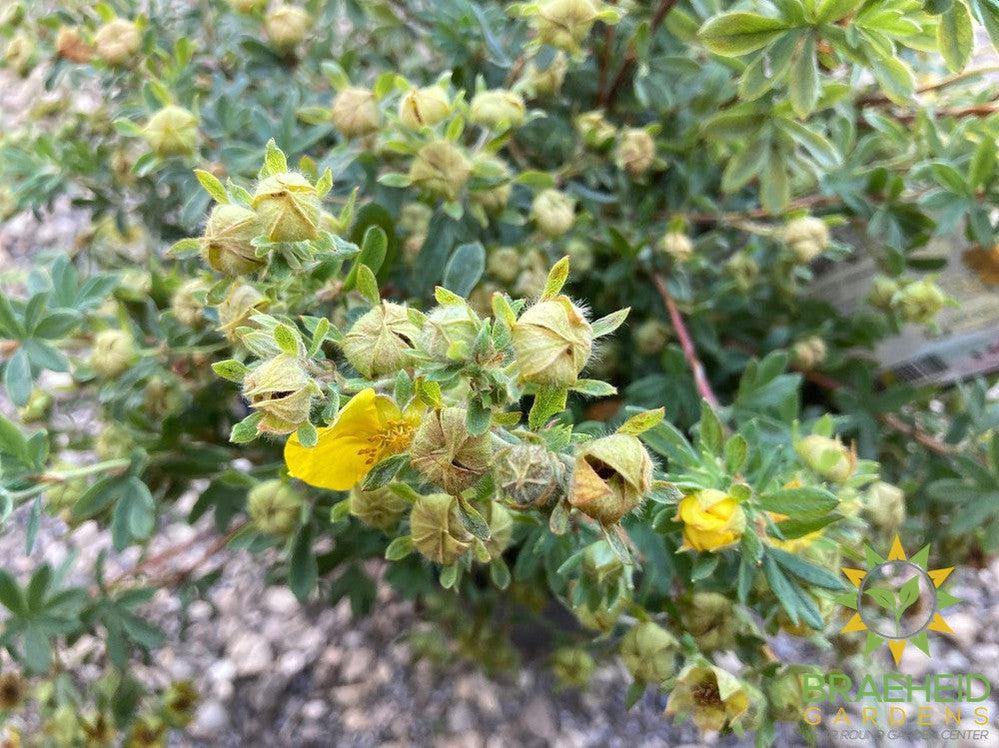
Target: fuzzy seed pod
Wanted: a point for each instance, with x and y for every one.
(172, 131)
(676, 245)
(186, 303)
(355, 112)
(744, 270)
(440, 168)
(710, 618)
(920, 301)
(530, 475)
(886, 505)
(500, 523)
(286, 26)
(13, 690)
(807, 237)
(580, 254)
(281, 391)
(179, 703)
(552, 342)
(809, 353)
(381, 509)
(437, 531)
(114, 441)
(827, 457)
(446, 454)
(572, 667)
(493, 200)
(424, 107)
(564, 24)
(649, 653)
(113, 352)
(117, 41)
(547, 82)
(612, 476)
(159, 399)
(594, 129)
(503, 264)
(553, 212)
(498, 109)
(712, 520)
(414, 218)
(237, 307)
(651, 337)
(882, 293)
(71, 46)
(381, 340)
(274, 507)
(636, 151)
(227, 244)
(449, 331)
(288, 206)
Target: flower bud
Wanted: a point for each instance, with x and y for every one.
(380, 341)
(809, 353)
(564, 24)
(274, 507)
(172, 131)
(179, 703)
(19, 54)
(807, 237)
(636, 151)
(37, 408)
(553, 212)
(288, 206)
(886, 505)
(710, 618)
(281, 391)
(381, 509)
(159, 398)
(494, 199)
(449, 330)
(117, 41)
(602, 618)
(247, 6)
(227, 244)
(114, 441)
(503, 263)
(594, 129)
(424, 107)
(446, 454)
(827, 457)
(500, 523)
(113, 353)
(530, 475)
(237, 307)
(651, 337)
(882, 293)
(71, 46)
(552, 341)
(441, 168)
(187, 303)
(355, 112)
(146, 731)
(676, 245)
(920, 301)
(437, 530)
(601, 563)
(498, 109)
(414, 218)
(286, 26)
(712, 520)
(98, 728)
(648, 652)
(612, 476)
(743, 269)
(572, 667)
(580, 254)
(547, 82)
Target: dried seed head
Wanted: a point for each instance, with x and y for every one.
(613, 474)
(424, 107)
(355, 112)
(553, 212)
(442, 168)
(113, 352)
(281, 391)
(807, 237)
(117, 41)
(446, 454)
(172, 131)
(437, 531)
(381, 341)
(227, 244)
(274, 507)
(288, 206)
(552, 342)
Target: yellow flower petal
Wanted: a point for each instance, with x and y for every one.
(335, 463)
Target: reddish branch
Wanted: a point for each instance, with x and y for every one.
(608, 95)
(686, 343)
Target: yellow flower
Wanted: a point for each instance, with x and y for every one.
(710, 695)
(711, 520)
(369, 428)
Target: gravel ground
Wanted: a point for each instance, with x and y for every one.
(272, 672)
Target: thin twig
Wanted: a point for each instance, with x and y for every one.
(607, 96)
(686, 343)
(879, 98)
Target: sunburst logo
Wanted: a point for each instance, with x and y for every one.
(897, 600)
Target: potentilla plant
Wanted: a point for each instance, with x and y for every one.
(526, 310)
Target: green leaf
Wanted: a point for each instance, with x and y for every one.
(775, 184)
(303, 571)
(367, 284)
(739, 33)
(803, 81)
(12, 442)
(464, 268)
(607, 325)
(799, 501)
(895, 77)
(908, 594)
(230, 369)
(883, 597)
(399, 548)
(557, 277)
(593, 388)
(246, 430)
(384, 471)
(546, 404)
(307, 435)
(274, 159)
(11, 596)
(473, 521)
(807, 572)
(287, 339)
(499, 573)
(212, 186)
(17, 377)
(642, 422)
(955, 36)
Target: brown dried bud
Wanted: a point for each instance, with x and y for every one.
(71, 46)
(612, 476)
